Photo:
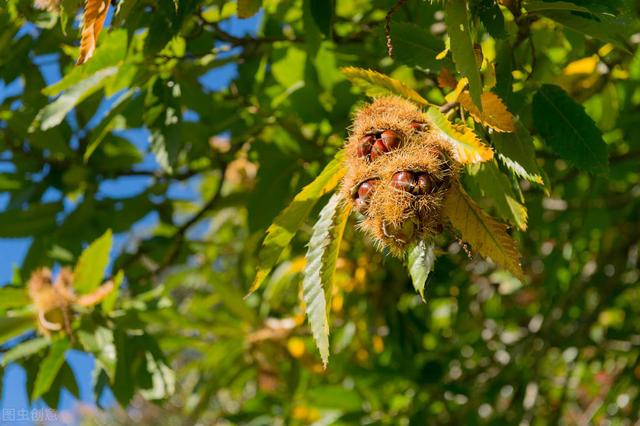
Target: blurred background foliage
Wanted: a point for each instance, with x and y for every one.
(175, 98)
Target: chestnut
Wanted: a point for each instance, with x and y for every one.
(403, 181)
(390, 139)
(418, 126)
(364, 148)
(378, 149)
(423, 184)
(363, 193)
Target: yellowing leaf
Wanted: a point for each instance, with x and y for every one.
(460, 86)
(582, 66)
(486, 235)
(322, 255)
(376, 84)
(95, 12)
(494, 113)
(285, 226)
(467, 147)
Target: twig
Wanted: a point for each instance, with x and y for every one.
(387, 25)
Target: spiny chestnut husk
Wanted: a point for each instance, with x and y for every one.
(398, 173)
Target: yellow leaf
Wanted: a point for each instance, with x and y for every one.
(467, 147)
(377, 84)
(462, 84)
(440, 56)
(494, 113)
(95, 12)
(485, 234)
(582, 66)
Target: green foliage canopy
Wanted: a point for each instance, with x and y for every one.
(560, 344)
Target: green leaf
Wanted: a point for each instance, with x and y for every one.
(49, 368)
(53, 114)
(109, 302)
(93, 261)
(285, 226)
(516, 153)
(37, 219)
(68, 11)
(14, 326)
(162, 378)
(321, 258)
(25, 349)
(603, 26)
(491, 17)
(495, 186)
(12, 297)
(375, 84)
(100, 342)
(415, 46)
(106, 124)
(539, 6)
(111, 53)
(421, 260)
(568, 130)
(459, 29)
(248, 8)
(322, 15)
(10, 182)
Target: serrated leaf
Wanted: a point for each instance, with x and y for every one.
(486, 235)
(248, 8)
(287, 223)
(414, 45)
(49, 368)
(374, 83)
(516, 153)
(53, 114)
(491, 17)
(421, 260)
(603, 26)
(459, 30)
(494, 113)
(93, 261)
(495, 186)
(466, 145)
(568, 130)
(25, 349)
(95, 12)
(321, 257)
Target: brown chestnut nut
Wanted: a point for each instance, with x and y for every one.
(418, 126)
(378, 149)
(364, 148)
(403, 181)
(362, 195)
(424, 185)
(364, 190)
(390, 139)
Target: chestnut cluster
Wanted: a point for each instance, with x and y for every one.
(398, 173)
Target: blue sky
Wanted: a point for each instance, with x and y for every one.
(12, 251)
